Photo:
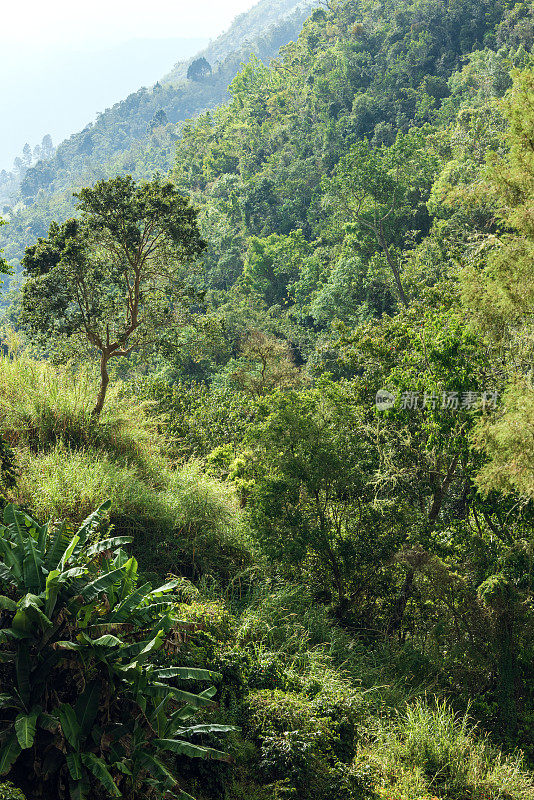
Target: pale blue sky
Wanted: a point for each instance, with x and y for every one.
(112, 20)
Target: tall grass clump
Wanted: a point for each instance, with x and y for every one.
(42, 405)
(185, 522)
(69, 484)
(429, 751)
(208, 523)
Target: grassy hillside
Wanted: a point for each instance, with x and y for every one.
(319, 715)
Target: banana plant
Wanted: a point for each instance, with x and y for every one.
(86, 709)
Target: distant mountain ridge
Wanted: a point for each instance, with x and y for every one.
(93, 75)
(138, 135)
(261, 31)
(243, 31)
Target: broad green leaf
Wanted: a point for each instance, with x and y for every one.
(188, 673)
(194, 700)
(25, 725)
(98, 767)
(9, 752)
(22, 668)
(30, 614)
(68, 552)
(157, 768)
(73, 572)
(58, 546)
(69, 724)
(86, 707)
(12, 560)
(130, 579)
(32, 565)
(101, 584)
(123, 768)
(155, 644)
(51, 590)
(42, 537)
(67, 645)
(107, 641)
(123, 611)
(74, 763)
(199, 729)
(166, 588)
(188, 710)
(89, 526)
(14, 520)
(192, 750)
(52, 583)
(7, 604)
(108, 544)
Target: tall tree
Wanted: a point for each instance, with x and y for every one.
(383, 191)
(499, 289)
(47, 147)
(27, 155)
(115, 277)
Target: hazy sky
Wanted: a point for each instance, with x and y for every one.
(47, 21)
(65, 60)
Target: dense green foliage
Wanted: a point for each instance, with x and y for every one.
(89, 707)
(333, 446)
(112, 279)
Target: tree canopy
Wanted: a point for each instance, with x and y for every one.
(116, 276)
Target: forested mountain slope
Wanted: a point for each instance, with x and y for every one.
(312, 401)
(250, 32)
(138, 134)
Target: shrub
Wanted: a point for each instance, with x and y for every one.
(308, 745)
(10, 792)
(86, 710)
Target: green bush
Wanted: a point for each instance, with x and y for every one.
(10, 792)
(87, 710)
(308, 745)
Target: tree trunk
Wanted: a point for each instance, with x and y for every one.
(393, 267)
(401, 601)
(104, 381)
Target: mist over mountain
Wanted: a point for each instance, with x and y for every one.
(135, 135)
(91, 77)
